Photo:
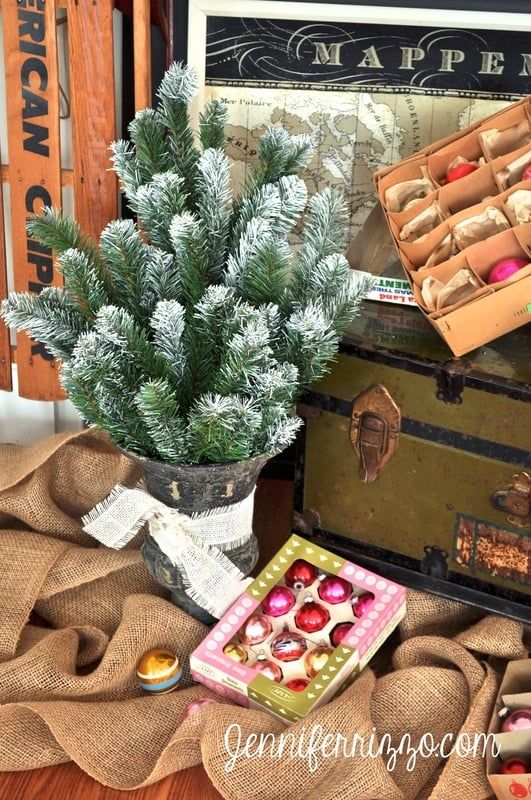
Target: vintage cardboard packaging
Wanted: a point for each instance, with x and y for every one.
(515, 692)
(492, 309)
(244, 685)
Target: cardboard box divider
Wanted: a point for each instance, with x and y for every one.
(495, 309)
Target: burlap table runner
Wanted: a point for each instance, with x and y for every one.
(70, 692)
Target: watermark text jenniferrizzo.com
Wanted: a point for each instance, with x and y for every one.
(314, 744)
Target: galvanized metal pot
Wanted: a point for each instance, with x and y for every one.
(195, 489)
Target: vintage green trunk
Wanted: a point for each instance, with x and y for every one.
(450, 510)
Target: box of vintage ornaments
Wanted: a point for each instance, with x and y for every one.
(459, 212)
(300, 633)
(509, 772)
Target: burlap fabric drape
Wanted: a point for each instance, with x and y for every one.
(70, 692)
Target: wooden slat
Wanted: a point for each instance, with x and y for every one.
(32, 90)
(91, 60)
(142, 53)
(66, 175)
(5, 349)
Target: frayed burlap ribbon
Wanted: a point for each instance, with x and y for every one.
(105, 611)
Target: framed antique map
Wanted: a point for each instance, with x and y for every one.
(372, 84)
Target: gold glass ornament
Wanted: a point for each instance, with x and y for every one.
(236, 652)
(316, 659)
(158, 671)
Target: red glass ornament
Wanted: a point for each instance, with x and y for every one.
(515, 766)
(297, 684)
(362, 603)
(334, 589)
(519, 720)
(459, 172)
(340, 632)
(255, 630)
(301, 574)
(527, 174)
(518, 790)
(278, 601)
(311, 617)
(268, 669)
(288, 646)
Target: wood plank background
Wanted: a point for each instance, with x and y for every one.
(5, 350)
(91, 67)
(32, 93)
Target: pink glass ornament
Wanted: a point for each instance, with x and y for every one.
(334, 589)
(255, 630)
(268, 669)
(517, 721)
(504, 269)
(311, 616)
(301, 574)
(340, 632)
(362, 603)
(288, 646)
(278, 601)
(193, 707)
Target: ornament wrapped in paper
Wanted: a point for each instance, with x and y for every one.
(519, 204)
(442, 252)
(195, 544)
(403, 195)
(514, 171)
(498, 143)
(417, 229)
(437, 295)
(479, 227)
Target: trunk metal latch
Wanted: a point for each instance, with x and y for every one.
(374, 430)
(516, 499)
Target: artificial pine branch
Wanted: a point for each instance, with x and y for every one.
(178, 87)
(126, 165)
(59, 233)
(50, 317)
(122, 252)
(212, 123)
(223, 428)
(190, 336)
(156, 204)
(159, 408)
(84, 283)
(246, 354)
(323, 235)
(149, 138)
(168, 322)
(214, 207)
(189, 240)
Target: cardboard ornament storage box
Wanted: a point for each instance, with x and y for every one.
(514, 693)
(500, 146)
(245, 685)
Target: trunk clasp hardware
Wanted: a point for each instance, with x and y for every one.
(374, 430)
(516, 499)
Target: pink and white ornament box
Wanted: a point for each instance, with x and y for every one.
(300, 633)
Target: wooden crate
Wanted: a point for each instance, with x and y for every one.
(35, 173)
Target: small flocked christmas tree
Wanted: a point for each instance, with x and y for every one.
(189, 335)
